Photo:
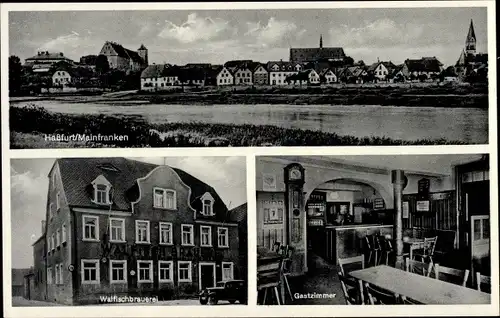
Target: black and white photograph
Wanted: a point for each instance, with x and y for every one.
(374, 230)
(129, 231)
(254, 77)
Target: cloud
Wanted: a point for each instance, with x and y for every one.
(73, 45)
(274, 32)
(195, 29)
(379, 32)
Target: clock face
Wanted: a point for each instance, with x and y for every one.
(295, 174)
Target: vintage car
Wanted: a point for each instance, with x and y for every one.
(230, 290)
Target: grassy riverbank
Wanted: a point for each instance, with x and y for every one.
(30, 124)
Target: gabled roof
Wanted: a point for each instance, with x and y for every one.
(78, 173)
(45, 55)
(125, 53)
(283, 65)
(239, 214)
(425, 64)
(155, 70)
(312, 54)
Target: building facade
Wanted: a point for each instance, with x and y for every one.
(261, 75)
(43, 60)
(279, 71)
(123, 59)
(122, 227)
(302, 55)
(225, 77)
(61, 78)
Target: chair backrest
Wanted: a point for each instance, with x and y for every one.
(349, 285)
(461, 276)
(483, 280)
(276, 247)
(417, 267)
(350, 260)
(409, 301)
(379, 297)
(269, 273)
(368, 243)
(429, 245)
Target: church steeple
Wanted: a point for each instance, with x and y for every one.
(470, 41)
(321, 41)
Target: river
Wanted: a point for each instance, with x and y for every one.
(469, 125)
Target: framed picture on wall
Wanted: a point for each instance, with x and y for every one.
(268, 182)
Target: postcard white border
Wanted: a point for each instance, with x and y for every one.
(251, 310)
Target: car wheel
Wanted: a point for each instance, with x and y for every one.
(203, 300)
(232, 301)
(212, 300)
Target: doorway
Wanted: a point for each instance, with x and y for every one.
(206, 275)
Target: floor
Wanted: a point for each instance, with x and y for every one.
(321, 279)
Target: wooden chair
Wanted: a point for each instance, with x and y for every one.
(418, 267)
(483, 280)
(372, 248)
(462, 275)
(286, 266)
(350, 260)
(377, 296)
(269, 277)
(385, 248)
(427, 253)
(353, 290)
(409, 301)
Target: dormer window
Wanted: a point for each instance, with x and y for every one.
(164, 199)
(102, 189)
(207, 204)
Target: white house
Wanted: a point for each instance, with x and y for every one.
(328, 76)
(307, 77)
(225, 77)
(381, 70)
(61, 78)
(159, 77)
(280, 71)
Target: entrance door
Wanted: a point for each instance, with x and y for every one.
(207, 275)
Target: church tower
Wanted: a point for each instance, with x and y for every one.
(143, 53)
(470, 42)
(321, 41)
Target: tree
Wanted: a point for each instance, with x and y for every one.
(101, 64)
(15, 73)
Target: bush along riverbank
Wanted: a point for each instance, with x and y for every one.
(30, 125)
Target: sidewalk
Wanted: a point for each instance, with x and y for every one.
(22, 302)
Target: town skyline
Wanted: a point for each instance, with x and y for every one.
(180, 37)
(29, 184)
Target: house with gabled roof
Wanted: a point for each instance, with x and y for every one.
(260, 75)
(380, 70)
(307, 77)
(280, 70)
(225, 76)
(154, 78)
(123, 59)
(422, 69)
(116, 226)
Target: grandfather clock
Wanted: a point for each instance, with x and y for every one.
(296, 216)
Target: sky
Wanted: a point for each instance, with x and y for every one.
(216, 36)
(29, 186)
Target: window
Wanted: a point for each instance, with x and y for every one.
(54, 178)
(90, 228)
(117, 271)
(61, 280)
(52, 241)
(141, 231)
(49, 247)
(165, 233)
(117, 230)
(101, 194)
(164, 199)
(208, 203)
(184, 271)
(165, 271)
(222, 237)
(63, 237)
(51, 211)
(102, 189)
(58, 238)
(187, 234)
(206, 235)
(49, 275)
(227, 270)
(90, 271)
(145, 271)
(57, 274)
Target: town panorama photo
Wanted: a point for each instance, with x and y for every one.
(217, 78)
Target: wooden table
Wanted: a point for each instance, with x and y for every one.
(423, 289)
(414, 243)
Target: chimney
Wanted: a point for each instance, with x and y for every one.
(43, 226)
